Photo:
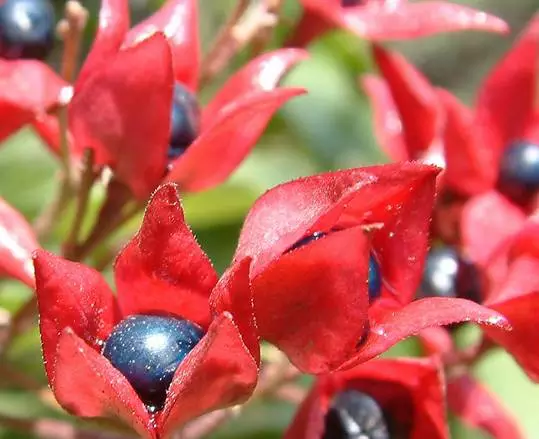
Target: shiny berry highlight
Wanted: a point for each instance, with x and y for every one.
(147, 350)
(355, 415)
(447, 274)
(184, 121)
(26, 29)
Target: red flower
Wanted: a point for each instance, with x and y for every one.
(164, 271)
(414, 120)
(410, 393)
(122, 100)
(28, 89)
(513, 290)
(313, 301)
(389, 19)
(467, 398)
(17, 242)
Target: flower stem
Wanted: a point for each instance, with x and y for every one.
(244, 25)
(85, 185)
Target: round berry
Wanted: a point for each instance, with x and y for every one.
(355, 415)
(147, 350)
(519, 170)
(447, 274)
(26, 29)
(375, 276)
(184, 121)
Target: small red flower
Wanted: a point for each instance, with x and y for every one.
(28, 89)
(163, 272)
(17, 242)
(312, 300)
(414, 120)
(122, 100)
(409, 393)
(389, 19)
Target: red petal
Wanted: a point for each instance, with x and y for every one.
(410, 392)
(309, 422)
(311, 24)
(109, 115)
(398, 197)
(415, 100)
(471, 166)
(88, 385)
(397, 325)
(261, 74)
(506, 100)
(218, 373)
(387, 122)
(521, 342)
(113, 25)
(526, 241)
(233, 294)
(520, 278)
(71, 295)
(163, 268)
(17, 242)
(312, 302)
(482, 232)
(178, 20)
(436, 341)
(27, 88)
(219, 150)
(48, 128)
(390, 20)
(478, 408)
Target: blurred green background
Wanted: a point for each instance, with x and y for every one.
(328, 129)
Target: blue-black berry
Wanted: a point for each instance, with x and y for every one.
(447, 274)
(355, 415)
(375, 276)
(26, 29)
(147, 350)
(184, 121)
(519, 170)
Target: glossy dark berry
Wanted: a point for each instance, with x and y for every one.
(355, 415)
(26, 29)
(184, 121)
(519, 170)
(347, 3)
(375, 276)
(447, 274)
(147, 349)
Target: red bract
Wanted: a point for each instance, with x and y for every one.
(469, 142)
(162, 270)
(390, 19)
(477, 407)
(17, 242)
(409, 391)
(312, 301)
(122, 101)
(505, 246)
(467, 398)
(28, 89)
